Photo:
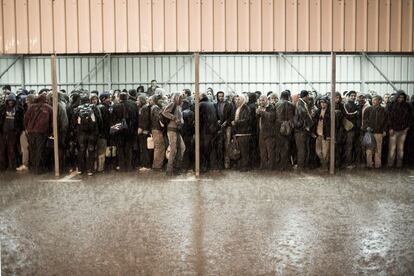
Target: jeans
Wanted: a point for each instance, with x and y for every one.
(396, 147)
(376, 153)
(87, 151)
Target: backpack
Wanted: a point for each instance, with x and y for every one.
(86, 118)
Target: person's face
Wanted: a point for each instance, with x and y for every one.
(153, 84)
(337, 99)
(94, 101)
(237, 100)
(324, 105)
(401, 99)
(263, 102)
(274, 100)
(361, 100)
(306, 99)
(352, 97)
(10, 103)
(107, 101)
(220, 97)
(386, 98)
(376, 102)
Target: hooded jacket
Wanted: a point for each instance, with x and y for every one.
(38, 118)
(399, 114)
(18, 115)
(302, 120)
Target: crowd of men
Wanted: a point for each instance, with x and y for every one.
(138, 129)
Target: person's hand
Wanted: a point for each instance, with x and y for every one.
(139, 130)
(233, 123)
(391, 132)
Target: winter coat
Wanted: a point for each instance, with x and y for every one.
(38, 118)
(302, 120)
(243, 125)
(352, 114)
(399, 114)
(376, 119)
(18, 116)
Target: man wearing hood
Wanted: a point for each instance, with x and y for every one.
(242, 129)
(399, 119)
(38, 124)
(11, 125)
(266, 119)
(176, 143)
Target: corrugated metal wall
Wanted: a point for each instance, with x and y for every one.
(120, 26)
(225, 72)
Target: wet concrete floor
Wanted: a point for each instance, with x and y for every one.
(227, 223)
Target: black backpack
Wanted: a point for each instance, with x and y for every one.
(87, 120)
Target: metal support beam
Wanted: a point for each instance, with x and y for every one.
(333, 92)
(95, 68)
(197, 113)
(110, 72)
(23, 74)
(55, 116)
(297, 71)
(10, 66)
(379, 71)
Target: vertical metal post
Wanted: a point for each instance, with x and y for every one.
(110, 72)
(333, 92)
(23, 74)
(55, 116)
(197, 113)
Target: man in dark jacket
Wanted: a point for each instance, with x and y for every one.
(144, 118)
(125, 111)
(208, 133)
(399, 120)
(303, 123)
(187, 132)
(285, 112)
(352, 125)
(224, 112)
(87, 122)
(38, 124)
(266, 120)
(11, 125)
(375, 121)
(103, 141)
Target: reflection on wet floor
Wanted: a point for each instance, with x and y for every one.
(226, 223)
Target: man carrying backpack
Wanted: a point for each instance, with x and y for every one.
(87, 122)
